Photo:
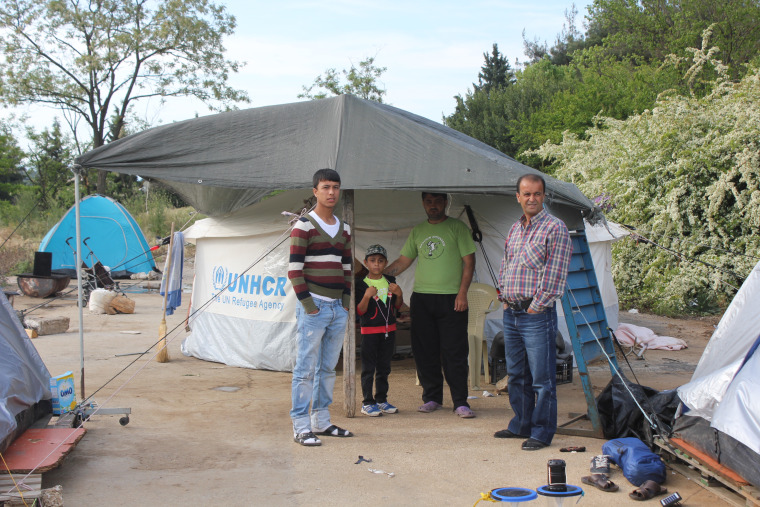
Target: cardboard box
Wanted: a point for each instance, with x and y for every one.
(64, 394)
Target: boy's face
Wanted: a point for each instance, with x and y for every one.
(376, 264)
(327, 193)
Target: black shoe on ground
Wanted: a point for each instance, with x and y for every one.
(533, 445)
(507, 434)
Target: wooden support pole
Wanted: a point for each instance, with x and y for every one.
(349, 341)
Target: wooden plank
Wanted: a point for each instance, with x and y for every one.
(708, 467)
(41, 449)
(10, 486)
(727, 495)
(709, 461)
(349, 340)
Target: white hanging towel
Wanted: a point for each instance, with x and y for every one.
(173, 274)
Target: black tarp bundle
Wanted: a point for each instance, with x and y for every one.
(620, 416)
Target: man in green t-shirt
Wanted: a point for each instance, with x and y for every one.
(445, 256)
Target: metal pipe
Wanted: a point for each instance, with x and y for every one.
(76, 169)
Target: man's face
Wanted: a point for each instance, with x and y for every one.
(327, 193)
(530, 195)
(435, 207)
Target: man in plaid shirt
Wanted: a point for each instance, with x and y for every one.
(532, 278)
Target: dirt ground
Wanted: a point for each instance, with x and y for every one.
(203, 433)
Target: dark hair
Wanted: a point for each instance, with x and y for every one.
(435, 194)
(531, 177)
(325, 175)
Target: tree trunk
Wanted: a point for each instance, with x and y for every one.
(349, 342)
(102, 181)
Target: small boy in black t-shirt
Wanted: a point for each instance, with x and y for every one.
(377, 299)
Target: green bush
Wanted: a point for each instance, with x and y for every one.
(686, 175)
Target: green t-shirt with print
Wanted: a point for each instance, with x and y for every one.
(381, 284)
(439, 249)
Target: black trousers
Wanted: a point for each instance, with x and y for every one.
(377, 351)
(439, 339)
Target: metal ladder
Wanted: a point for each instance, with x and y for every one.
(589, 333)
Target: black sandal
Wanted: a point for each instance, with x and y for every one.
(307, 438)
(647, 490)
(600, 481)
(334, 431)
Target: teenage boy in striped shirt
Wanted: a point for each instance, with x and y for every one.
(320, 271)
(532, 278)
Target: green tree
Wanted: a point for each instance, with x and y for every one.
(652, 29)
(362, 82)
(495, 72)
(11, 163)
(48, 165)
(567, 41)
(548, 99)
(93, 59)
(686, 175)
(495, 118)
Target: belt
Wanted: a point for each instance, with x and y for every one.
(520, 305)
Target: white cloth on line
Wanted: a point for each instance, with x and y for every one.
(173, 274)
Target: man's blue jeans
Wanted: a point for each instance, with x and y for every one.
(318, 344)
(530, 349)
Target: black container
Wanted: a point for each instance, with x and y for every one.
(556, 477)
(43, 262)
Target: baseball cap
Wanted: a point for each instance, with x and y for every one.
(376, 249)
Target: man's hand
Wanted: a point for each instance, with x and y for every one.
(460, 304)
(530, 311)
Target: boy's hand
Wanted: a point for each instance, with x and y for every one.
(370, 292)
(395, 289)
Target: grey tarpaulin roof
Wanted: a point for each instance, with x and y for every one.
(225, 161)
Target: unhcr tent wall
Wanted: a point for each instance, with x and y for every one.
(24, 378)
(722, 402)
(252, 324)
(111, 233)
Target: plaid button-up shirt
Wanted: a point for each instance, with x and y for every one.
(535, 262)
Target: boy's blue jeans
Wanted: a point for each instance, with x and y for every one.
(530, 349)
(319, 340)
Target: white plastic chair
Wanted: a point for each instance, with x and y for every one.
(481, 299)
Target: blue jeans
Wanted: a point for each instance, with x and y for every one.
(319, 341)
(530, 349)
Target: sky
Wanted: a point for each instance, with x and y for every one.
(433, 50)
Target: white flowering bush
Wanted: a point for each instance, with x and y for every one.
(686, 175)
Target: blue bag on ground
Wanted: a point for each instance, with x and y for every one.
(638, 462)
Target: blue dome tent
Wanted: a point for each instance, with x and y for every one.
(111, 233)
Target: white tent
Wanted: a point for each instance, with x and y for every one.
(723, 398)
(24, 378)
(252, 324)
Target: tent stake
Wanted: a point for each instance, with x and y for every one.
(349, 341)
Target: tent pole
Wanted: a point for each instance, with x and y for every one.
(77, 170)
(349, 341)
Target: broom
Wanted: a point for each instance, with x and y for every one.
(163, 352)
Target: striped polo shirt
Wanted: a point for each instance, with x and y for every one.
(319, 263)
